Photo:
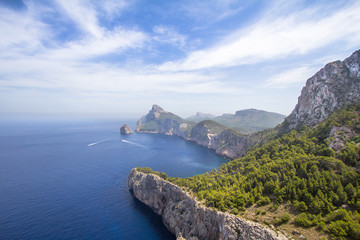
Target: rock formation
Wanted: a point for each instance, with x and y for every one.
(335, 85)
(160, 121)
(224, 141)
(186, 217)
(125, 129)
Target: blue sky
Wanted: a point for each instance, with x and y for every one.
(115, 58)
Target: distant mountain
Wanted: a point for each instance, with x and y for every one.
(198, 117)
(251, 119)
(160, 121)
(213, 135)
(244, 121)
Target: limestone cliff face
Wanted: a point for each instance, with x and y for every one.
(185, 217)
(335, 85)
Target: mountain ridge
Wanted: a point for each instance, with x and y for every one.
(245, 121)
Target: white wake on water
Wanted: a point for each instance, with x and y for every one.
(133, 143)
(104, 140)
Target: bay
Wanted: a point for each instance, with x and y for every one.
(68, 179)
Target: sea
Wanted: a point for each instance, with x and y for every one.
(67, 179)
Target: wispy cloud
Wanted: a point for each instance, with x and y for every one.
(211, 10)
(85, 52)
(169, 35)
(84, 15)
(21, 32)
(295, 34)
(291, 76)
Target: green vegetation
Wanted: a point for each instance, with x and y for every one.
(150, 126)
(321, 186)
(297, 168)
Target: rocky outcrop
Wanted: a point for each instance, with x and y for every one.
(160, 121)
(125, 129)
(334, 86)
(186, 217)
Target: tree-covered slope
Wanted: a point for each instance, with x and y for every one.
(299, 173)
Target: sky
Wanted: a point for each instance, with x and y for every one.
(116, 58)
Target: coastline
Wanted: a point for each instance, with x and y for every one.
(187, 218)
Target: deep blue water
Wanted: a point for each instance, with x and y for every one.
(53, 185)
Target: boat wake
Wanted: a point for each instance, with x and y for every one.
(136, 144)
(104, 140)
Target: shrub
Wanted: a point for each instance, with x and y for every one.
(263, 201)
(303, 221)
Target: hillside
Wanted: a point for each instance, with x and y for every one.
(244, 121)
(301, 178)
(296, 182)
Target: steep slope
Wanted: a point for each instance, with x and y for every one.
(298, 179)
(304, 181)
(187, 218)
(160, 121)
(335, 85)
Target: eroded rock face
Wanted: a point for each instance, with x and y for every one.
(185, 217)
(125, 129)
(335, 85)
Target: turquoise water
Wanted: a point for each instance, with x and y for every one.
(68, 180)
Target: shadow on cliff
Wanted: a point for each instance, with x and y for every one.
(154, 219)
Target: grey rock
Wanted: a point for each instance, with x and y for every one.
(187, 218)
(125, 129)
(334, 86)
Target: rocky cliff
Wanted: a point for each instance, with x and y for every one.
(160, 121)
(185, 217)
(224, 141)
(335, 85)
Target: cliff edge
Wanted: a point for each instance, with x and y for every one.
(185, 217)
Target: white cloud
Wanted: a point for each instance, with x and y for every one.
(208, 11)
(270, 38)
(20, 32)
(291, 76)
(114, 7)
(115, 41)
(168, 35)
(84, 15)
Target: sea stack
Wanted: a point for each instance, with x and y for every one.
(125, 129)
